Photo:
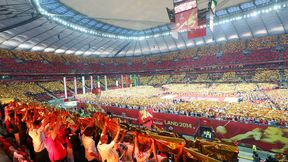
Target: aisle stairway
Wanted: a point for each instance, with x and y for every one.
(49, 93)
(245, 154)
(68, 88)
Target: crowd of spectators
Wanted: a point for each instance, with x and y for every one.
(52, 86)
(51, 57)
(279, 97)
(233, 47)
(28, 56)
(56, 135)
(34, 91)
(220, 89)
(171, 56)
(189, 53)
(208, 50)
(145, 80)
(22, 88)
(202, 78)
(189, 58)
(35, 132)
(259, 103)
(230, 76)
(262, 43)
(283, 39)
(70, 85)
(6, 54)
(19, 90)
(72, 58)
(259, 75)
(266, 75)
(227, 48)
(177, 78)
(159, 79)
(111, 81)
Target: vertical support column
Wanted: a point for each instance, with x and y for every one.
(65, 88)
(105, 82)
(138, 79)
(75, 86)
(91, 83)
(127, 80)
(122, 81)
(98, 82)
(131, 80)
(83, 84)
(135, 80)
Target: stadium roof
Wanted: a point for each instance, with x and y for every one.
(52, 26)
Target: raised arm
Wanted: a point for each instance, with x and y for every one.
(56, 129)
(136, 146)
(25, 115)
(179, 155)
(154, 150)
(122, 136)
(117, 135)
(104, 130)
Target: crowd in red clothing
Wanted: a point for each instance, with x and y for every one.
(56, 135)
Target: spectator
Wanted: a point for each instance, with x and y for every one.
(91, 153)
(256, 157)
(74, 142)
(142, 156)
(56, 150)
(107, 151)
(36, 132)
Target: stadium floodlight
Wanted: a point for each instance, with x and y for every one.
(210, 40)
(37, 48)
(199, 42)
(254, 13)
(60, 51)
(276, 7)
(69, 52)
(235, 36)
(221, 39)
(49, 49)
(247, 34)
(79, 53)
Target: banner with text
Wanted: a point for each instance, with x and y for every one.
(267, 138)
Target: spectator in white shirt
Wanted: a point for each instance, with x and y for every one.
(107, 151)
(36, 132)
(89, 144)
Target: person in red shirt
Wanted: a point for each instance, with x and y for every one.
(56, 151)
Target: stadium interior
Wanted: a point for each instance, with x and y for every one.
(172, 80)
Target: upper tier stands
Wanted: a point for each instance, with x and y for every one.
(260, 51)
(232, 47)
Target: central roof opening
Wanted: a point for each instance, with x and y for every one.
(131, 14)
(134, 14)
